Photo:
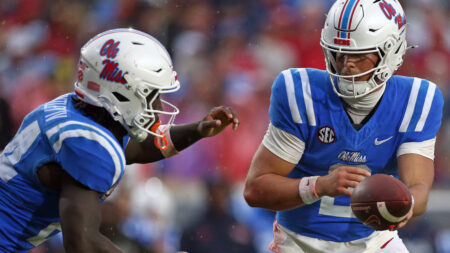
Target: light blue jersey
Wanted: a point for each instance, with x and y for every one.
(54, 132)
(304, 104)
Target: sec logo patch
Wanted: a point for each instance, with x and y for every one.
(326, 135)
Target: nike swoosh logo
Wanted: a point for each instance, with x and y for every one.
(379, 142)
(307, 183)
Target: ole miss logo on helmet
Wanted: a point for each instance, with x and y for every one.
(111, 70)
(390, 12)
(110, 49)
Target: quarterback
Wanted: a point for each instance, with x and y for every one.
(330, 129)
(70, 153)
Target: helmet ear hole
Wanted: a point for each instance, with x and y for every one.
(141, 120)
(388, 45)
(383, 76)
(144, 90)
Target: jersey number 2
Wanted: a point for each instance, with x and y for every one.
(327, 206)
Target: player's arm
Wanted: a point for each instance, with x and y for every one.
(416, 155)
(268, 186)
(417, 172)
(182, 136)
(79, 211)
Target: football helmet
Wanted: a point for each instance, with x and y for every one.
(361, 27)
(125, 71)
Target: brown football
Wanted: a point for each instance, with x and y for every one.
(381, 201)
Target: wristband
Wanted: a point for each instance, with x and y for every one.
(307, 190)
(165, 143)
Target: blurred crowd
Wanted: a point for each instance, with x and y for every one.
(225, 52)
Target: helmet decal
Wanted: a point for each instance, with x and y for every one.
(80, 73)
(93, 86)
(389, 11)
(342, 42)
(110, 49)
(111, 72)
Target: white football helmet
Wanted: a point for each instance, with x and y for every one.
(118, 70)
(360, 27)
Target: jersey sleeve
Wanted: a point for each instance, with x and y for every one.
(283, 144)
(88, 154)
(291, 108)
(423, 115)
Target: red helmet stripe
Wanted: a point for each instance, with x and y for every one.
(79, 94)
(340, 18)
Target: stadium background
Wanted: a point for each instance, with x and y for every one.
(225, 52)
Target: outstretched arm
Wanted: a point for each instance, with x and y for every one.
(79, 211)
(184, 135)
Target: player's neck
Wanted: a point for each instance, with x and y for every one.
(113, 126)
(102, 117)
(359, 108)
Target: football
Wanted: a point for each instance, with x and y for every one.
(381, 201)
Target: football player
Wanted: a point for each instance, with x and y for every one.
(70, 153)
(330, 129)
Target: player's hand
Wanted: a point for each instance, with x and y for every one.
(217, 120)
(339, 180)
(403, 223)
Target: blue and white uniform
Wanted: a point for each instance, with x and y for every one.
(54, 132)
(304, 106)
